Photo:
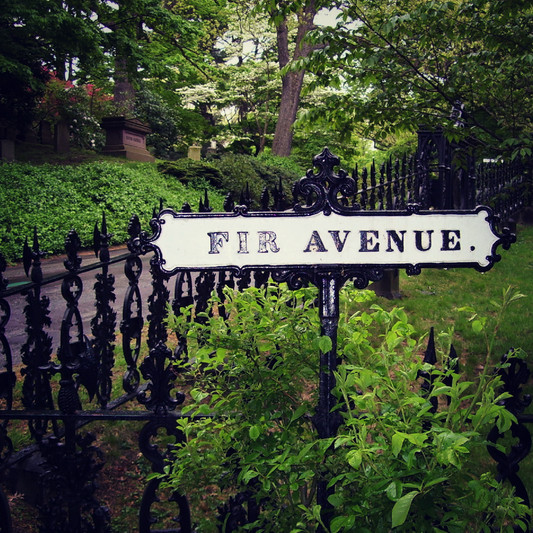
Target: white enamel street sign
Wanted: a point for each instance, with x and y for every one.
(188, 241)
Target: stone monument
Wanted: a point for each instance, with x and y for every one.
(62, 137)
(45, 132)
(194, 152)
(7, 144)
(126, 137)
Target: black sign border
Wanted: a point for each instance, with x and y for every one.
(505, 239)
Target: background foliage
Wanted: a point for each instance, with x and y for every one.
(398, 64)
(55, 198)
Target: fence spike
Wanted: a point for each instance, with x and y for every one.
(294, 192)
(26, 257)
(364, 189)
(373, 186)
(101, 240)
(96, 239)
(229, 204)
(430, 355)
(33, 258)
(206, 202)
(35, 240)
(134, 227)
(3, 281)
(72, 247)
(265, 198)
(248, 197)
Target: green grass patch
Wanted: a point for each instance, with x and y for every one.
(436, 297)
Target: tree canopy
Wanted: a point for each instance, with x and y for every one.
(36, 37)
(388, 66)
(401, 63)
(99, 40)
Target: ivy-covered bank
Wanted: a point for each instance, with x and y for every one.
(57, 198)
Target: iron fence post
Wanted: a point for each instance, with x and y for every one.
(327, 422)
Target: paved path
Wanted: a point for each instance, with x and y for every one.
(15, 330)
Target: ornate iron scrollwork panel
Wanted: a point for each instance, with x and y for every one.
(132, 323)
(158, 458)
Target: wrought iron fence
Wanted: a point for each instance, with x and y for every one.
(55, 410)
(505, 186)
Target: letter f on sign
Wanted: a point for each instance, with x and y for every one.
(216, 240)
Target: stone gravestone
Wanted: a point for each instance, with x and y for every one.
(45, 131)
(7, 150)
(126, 138)
(194, 153)
(62, 137)
(30, 136)
(7, 144)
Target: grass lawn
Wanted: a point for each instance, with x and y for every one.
(435, 298)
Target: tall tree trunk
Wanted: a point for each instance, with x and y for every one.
(290, 98)
(123, 91)
(292, 81)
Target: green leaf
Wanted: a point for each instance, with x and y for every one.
(435, 481)
(417, 439)
(221, 354)
(394, 490)
(250, 474)
(505, 420)
(401, 508)
(324, 344)
(254, 432)
(397, 443)
(342, 522)
(298, 413)
(335, 500)
(477, 326)
(354, 458)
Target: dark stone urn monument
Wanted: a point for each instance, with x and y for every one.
(126, 137)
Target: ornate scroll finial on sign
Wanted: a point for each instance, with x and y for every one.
(325, 187)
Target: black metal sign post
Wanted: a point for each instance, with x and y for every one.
(326, 241)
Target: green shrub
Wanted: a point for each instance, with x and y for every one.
(189, 171)
(284, 164)
(396, 466)
(234, 173)
(242, 171)
(55, 199)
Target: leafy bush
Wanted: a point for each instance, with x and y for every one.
(285, 164)
(189, 171)
(174, 127)
(57, 198)
(162, 119)
(82, 106)
(394, 463)
(233, 173)
(241, 171)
